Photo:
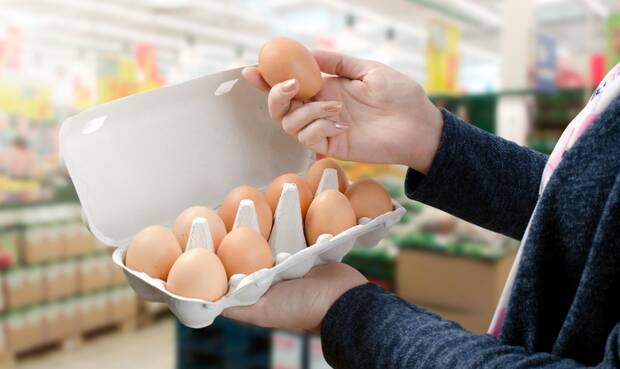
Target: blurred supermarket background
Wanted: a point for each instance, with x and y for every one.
(519, 68)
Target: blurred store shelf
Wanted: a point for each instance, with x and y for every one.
(59, 286)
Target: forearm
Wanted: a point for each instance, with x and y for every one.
(481, 178)
(371, 328)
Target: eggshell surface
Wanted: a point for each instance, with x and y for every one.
(244, 251)
(282, 58)
(330, 212)
(230, 204)
(153, 251)
(315, 172)
(183, 225)
(274, 191)
(198, 273)
(369, 198)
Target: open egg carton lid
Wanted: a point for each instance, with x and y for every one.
(143, 159)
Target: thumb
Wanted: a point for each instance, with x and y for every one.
(342, 65)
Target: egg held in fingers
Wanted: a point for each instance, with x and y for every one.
(282, 59)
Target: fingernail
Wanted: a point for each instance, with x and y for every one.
(331, 107)
(289, 86)
(341, 125)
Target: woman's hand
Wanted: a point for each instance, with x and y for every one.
(365, 111)
(300, 303)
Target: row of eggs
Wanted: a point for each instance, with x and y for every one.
(200, 273)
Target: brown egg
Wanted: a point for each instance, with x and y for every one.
(198, 273)
(153, 251)
(314, 174)
(368, 198)
(244, 251)
(282, 59)
(275, 189)
(230, 204)
(330, 212)
(183, 225)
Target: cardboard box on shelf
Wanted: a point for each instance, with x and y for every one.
(59, 319)
(10, 239)
(53, 325)
(60, 279)
(287, 350)
(123, 303)
(94, 311)
(32, 246)
(80, 241)
(24, 329)
(459, 288)
(93, 273)
(4, 345)
(2, 303)
(23, 286)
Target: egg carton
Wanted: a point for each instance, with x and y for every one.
(293, 259)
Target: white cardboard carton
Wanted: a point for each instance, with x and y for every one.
(143, 159)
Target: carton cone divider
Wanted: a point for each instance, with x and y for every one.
(200, 235)
(246, 216)
(329, 181)
(287, 234)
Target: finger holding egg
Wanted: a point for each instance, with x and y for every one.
(280, 100)
(298, 119)
(315, 136)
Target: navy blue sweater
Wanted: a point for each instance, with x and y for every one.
(565, 305)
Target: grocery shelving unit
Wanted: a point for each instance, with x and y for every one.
(59, 285)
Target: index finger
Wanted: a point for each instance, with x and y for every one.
(253, 76)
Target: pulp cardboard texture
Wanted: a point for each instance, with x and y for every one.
(458, 288)
(188, 145)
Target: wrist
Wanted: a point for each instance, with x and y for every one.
(426, 140)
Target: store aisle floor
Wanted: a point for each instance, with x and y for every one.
(151, 347)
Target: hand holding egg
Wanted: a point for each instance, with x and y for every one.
(364, 111)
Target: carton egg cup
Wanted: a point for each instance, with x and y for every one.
(142, 159)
